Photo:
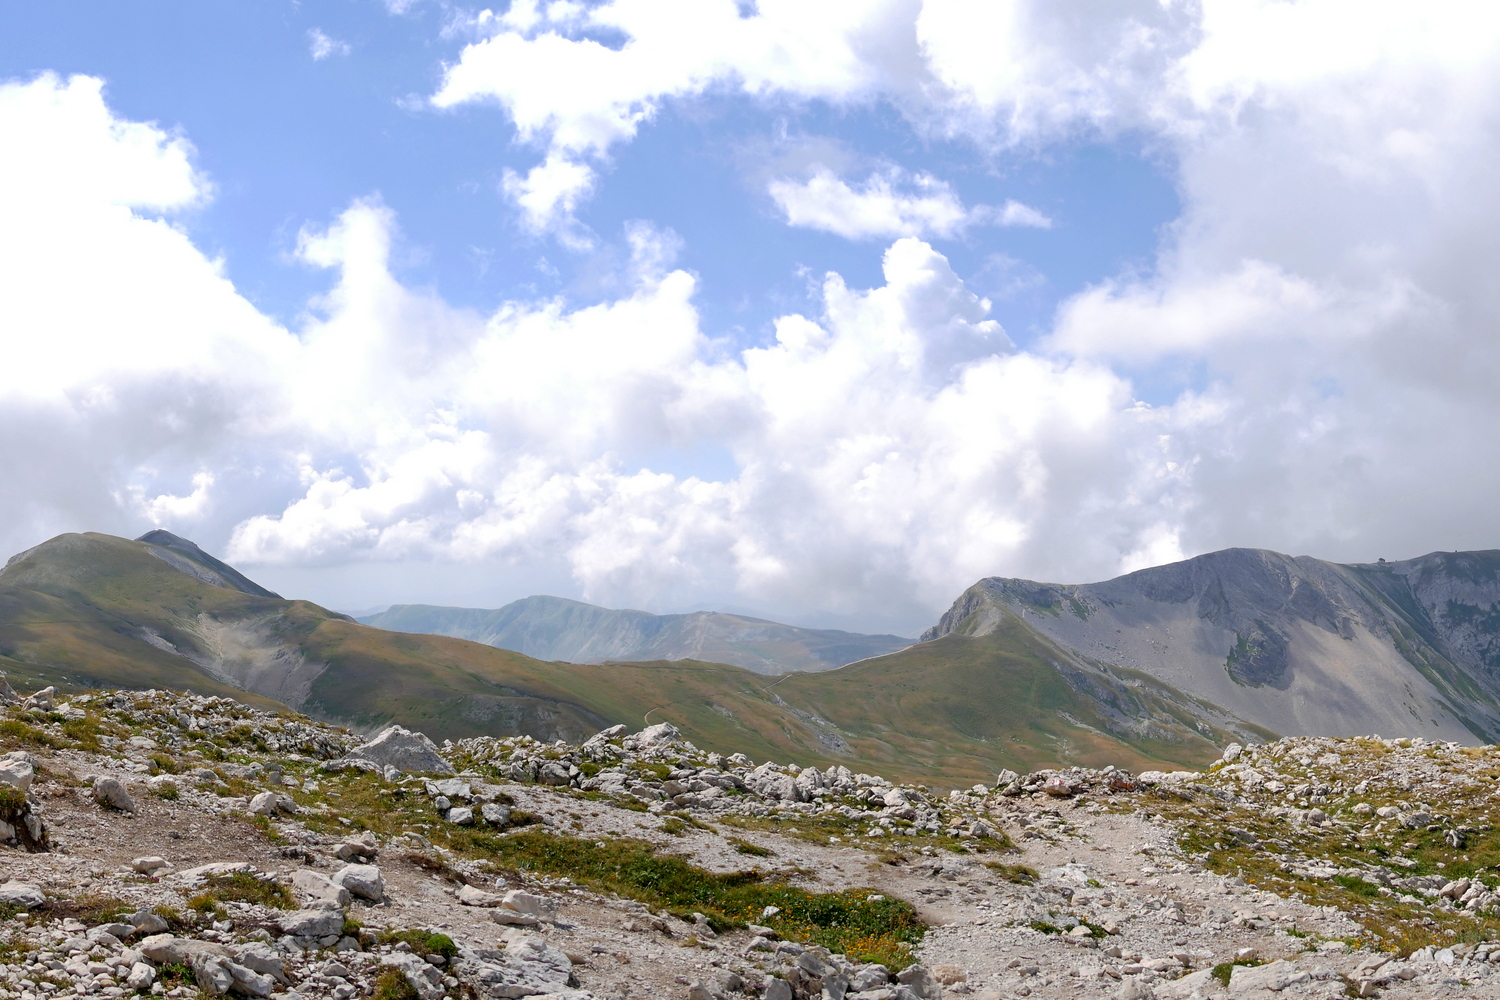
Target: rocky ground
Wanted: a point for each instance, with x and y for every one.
(173, 845)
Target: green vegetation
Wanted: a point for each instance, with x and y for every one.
(241, 887)
(857, 922)
(754, 850)
(1019, 874)
(421, 942)
(392, 985)
(1224, 970)
(90, 908)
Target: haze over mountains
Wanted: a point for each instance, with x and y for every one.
(554, 628)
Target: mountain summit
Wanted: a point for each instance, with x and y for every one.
(1298, 645)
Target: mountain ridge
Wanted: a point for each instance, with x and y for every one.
(96, 611)
(1299, 645)
(557, 628)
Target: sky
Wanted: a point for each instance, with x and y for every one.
(820, 312)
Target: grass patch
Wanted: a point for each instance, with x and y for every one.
(166, 791)
(14, 731)
(241, 887)
(753, 850)
(1224, 970)
(675, 826)
(90, 908)
(11, 799)
(1018, 874)
(437, 866)
(850, 921)
(422, 942)
(393, 985)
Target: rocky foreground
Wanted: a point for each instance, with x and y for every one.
(176, 845)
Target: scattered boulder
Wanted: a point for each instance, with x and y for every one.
(362, 881)
(111, 794)
(17, 769)
(468, 895)
(312, 923)
(315, 890)
(22, 894)
(404, 750)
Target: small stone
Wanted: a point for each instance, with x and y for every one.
(461, 816)
(495, 814)
(149, 865)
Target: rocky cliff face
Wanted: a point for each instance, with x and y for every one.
(1295, 644)
(554, 628)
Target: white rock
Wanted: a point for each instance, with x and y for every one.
(363, 881)
(404, 750)
(21, 894)
(312, 923)
(109, 792)
(468, 895)
(530, 904)
(315, 890)
(17, 769)
(141, 976)
(461, 816)
(150, 865)
(263, 804)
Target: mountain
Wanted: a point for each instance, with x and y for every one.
(1295, 644)
(554, 628)
(93, 610)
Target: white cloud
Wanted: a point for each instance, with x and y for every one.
(1328, 290)
(889, 204)
(322, 46)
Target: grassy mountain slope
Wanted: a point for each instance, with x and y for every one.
(555, 628)
(93, 610)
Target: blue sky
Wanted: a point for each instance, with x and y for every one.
(288, 139)
(1106, 291)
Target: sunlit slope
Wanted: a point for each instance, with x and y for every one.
(94, 610)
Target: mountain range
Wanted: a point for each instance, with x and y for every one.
(1298, 645)
(554, 628)
(1156, 668)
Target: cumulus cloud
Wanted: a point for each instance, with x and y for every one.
(322, 46)
(1005, 72)
(1327, 298)
(889, 204)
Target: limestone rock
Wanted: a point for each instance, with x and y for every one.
(530, 905)
(149, 865)
(22, 894)
(110, 793)
(404, 750)
(468, 895)
(17, 769)
(312, 923)
(363, 881)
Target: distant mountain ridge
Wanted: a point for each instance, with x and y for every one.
(555, 628)
(93, 610)
(1298, 645)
